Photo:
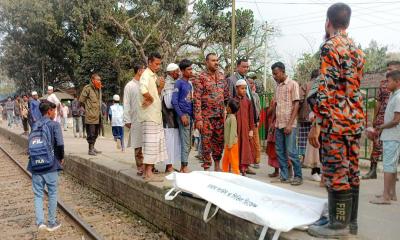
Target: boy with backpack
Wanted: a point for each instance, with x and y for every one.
(46, 156)
(116, 114)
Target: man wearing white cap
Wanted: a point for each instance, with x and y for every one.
(51, 97)
(170, 123)
(34, 112)
(116, 114)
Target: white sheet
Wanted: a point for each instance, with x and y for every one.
(255, 201)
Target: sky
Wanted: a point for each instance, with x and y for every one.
(301, 24)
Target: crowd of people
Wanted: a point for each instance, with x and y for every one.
(318, 124)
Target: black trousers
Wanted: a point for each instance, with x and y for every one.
(25, 124)
(92, 131)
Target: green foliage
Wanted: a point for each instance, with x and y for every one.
(305, 65)
(98, 56)
(7, 85)
(63, 42)
(375, 58)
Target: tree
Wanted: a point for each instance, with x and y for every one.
(63, 42)
(375, 58)
(7, 85)
(305, 65)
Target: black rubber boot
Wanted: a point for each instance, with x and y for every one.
(372, 171)
(339, 207)
(354, 211)
(91, 150)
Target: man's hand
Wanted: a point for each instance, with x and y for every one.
(185, 120)
(128, 125)
(161, 82)
(374, 123)
(199, 125)
(378, 130)
(147, 100)
(62, 162)
(313, 136)
(288, 130)
(251, 133)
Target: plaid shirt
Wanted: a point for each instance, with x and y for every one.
(339, 101)
(382, 97)
(286, 94)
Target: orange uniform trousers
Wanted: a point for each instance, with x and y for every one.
(231, 158)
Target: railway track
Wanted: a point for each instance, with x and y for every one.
(84, 213)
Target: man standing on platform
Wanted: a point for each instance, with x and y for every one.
(170, 121)
(17, 111)
(242, 68)
(183, 105)
(154, 149)
(9, 106)
(381, 102)
(210, 93)
(131, 115)
(51, 97)
(34, 112)
(24, 114)
(287, 98)
(340, 122)
(76, 117)
(91, 99)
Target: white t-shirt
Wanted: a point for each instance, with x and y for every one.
(65, 111)
(117, 115)
(393, 106)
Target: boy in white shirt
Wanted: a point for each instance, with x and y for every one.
(390, 138)
(117, 122)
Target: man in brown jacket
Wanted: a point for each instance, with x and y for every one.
(91, 99)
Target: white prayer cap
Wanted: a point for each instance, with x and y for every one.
(116, 97)
(34, 93)
(241, 82)
(50, 88)
(172, 67)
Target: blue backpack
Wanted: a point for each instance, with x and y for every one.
(41, 152)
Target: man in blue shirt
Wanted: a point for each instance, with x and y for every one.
(34, 112)
(182, 102)
(48, 177)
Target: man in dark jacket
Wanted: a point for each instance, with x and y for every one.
(91, 99)
(242, 68)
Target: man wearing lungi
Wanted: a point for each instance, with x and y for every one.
(154, 149)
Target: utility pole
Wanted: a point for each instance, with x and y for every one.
(233, 38)
(266, 55)
(42, 77)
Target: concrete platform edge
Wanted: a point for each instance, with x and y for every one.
(180, 218)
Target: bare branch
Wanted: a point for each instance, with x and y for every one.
(152, 30)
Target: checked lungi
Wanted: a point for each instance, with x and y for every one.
(154, 149)
(302, 137)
